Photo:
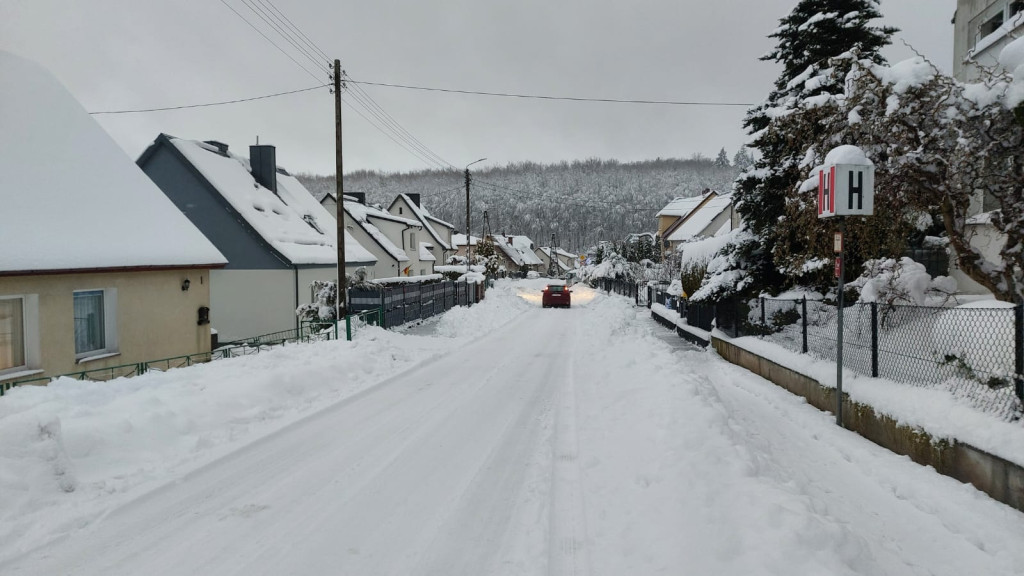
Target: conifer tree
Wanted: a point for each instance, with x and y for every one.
(783, 127)
(722, 161)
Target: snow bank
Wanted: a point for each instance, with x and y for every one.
(74, 450)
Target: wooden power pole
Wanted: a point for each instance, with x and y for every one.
(340, 190)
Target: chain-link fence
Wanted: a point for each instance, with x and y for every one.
(977, 354)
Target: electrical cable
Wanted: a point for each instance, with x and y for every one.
(267, 38)
(544, 97)
(239, 100)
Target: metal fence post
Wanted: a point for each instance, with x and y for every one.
(761, 299)
(874, 340)
(1018, 321)
(804, 317)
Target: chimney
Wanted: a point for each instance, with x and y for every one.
(263, 161)
(359, 196)
(415, 199)
(221, 147)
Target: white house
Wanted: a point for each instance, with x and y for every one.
(399, 244)
(981, 29)
(277, 238)
(440, 232)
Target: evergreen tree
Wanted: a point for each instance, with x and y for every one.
(723, 159)
(784, 126)
(742, 159)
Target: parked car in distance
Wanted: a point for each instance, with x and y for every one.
(532, 274)
(556, 295)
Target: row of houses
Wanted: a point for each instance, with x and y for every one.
(519, 255)
(106, 262)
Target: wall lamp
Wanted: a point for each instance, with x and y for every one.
(185, 284)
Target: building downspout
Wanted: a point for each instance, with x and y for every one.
(295, 267)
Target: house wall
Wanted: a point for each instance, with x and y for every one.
(247, 303)
(402, 236)
(221, 224)
(987, 240)
(330, 204)
(664, 222)
(387, 265)
(155, 318)
(970, 15)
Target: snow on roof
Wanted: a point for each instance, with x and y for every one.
(70, 197)
(680, 207)
(425, 254)
(525, 247)
(362, 213)
(508, 249)
(698, 221)
(300, 229)
(460, 240)
(424, 216)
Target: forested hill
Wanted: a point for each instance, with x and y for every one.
(582, 201)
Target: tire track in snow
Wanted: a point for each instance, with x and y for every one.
(567, 542)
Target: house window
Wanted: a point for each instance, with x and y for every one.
(12, 333)
(423, 272)
(412, 240)
(95, 322)
(991, 25)
(400, 210)
(1015, 7)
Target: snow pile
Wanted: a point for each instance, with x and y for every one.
(902, 282)
(70, 197)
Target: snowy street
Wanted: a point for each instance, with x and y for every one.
(573, 441)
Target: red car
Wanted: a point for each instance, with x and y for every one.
(556, 295)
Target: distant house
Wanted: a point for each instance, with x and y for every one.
(459, 244)
(408, 206)
(516, 254)
(399, 244)
(97, 268)
(277, 238)
(564, 261)
(685, 219)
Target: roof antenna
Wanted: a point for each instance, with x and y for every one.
(257, 139)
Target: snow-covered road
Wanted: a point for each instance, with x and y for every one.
(564, 442)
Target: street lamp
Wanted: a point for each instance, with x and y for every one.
(469, 243)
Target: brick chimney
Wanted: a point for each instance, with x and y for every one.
(415, 199)
(359, 196)
(263, 161)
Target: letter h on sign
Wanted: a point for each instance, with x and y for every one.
(837, 186)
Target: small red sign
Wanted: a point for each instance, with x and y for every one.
(839, 266)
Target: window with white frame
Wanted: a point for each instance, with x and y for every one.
(95, 322)
(19, 333)
(12, 333)
(412, 240)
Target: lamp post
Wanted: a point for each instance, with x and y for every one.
(469, 243)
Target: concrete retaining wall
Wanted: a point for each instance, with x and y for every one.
(1001, 479)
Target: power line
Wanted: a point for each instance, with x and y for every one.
(292, 25)
(418, 155)
(211, 103)
(267, 38)
(544, 97)
(395, 128)
(269, 19)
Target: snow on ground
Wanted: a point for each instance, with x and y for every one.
(516, 441)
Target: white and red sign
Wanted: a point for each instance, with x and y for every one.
(846, 190)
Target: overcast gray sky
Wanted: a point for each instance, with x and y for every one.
(129, 54)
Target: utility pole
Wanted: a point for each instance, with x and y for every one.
(551, 256)
(469, 241)
(469, 237)
(342, 299)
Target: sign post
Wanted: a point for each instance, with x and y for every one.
(846, 187)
